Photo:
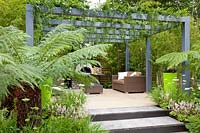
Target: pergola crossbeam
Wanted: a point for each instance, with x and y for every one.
(100, 24)
(101, 14)
(102, 31)
(111, 37)
(98, 40)
(108, 25)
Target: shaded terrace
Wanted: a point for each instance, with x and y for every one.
(136, 25)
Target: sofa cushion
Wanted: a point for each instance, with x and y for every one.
(118, 81)
(121, 75)
(129, 74)
(136, 74)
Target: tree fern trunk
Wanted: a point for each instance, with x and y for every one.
(28, 105)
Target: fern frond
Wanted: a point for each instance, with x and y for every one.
(60, 51)
(84, 78)
(91, 62)
(6, 59)
(58, 29)
(61, 41)
(11, 39)
(173, 59)
(88, 52)
(65, 65)
(194, 54)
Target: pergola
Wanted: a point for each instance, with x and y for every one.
(118, 33)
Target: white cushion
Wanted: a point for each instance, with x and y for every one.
(121, 75)
(133, 74)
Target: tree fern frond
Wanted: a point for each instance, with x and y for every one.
(83, 78)
(58, 29)
(61, 40)
(11, 39)
(60, 51)
(173, 59)
(88, 52)
(194, 54)
(91, 62)
(30, 55)
(6, 59)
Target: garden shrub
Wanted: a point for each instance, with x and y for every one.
(8, 121)
(182, 110)
(183, 106)
(65, 114)
(159, 97)
(69, 125)
(194, 124)
(69, 105)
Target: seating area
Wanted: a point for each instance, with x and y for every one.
(130, 82)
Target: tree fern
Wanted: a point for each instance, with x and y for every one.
(176, 58)
(173, 59)
(57, 56)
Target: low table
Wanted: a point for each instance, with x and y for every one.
(94, 89)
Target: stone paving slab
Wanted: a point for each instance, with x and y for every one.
(115, 99)
(124, 110)
(139, 123)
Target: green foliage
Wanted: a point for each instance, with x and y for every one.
(164, 99)
(65, 114)
(158, 96)
(137, 56)
(60, 125)
(13, 68)
(69, 105)
(7, 123)
(143, 6)
(52, 124)
(115, 59)
(193, 124)
(73, 98)
(68, 115)
(195, 95)
(107, 84)
(81, 4)
(184, 107)
(13, 13)
(173, 59)
(46, 92)
(57, 56)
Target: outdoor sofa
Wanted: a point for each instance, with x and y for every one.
(130, 83)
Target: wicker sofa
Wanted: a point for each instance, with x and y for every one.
(129, 84)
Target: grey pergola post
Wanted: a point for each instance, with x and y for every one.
(127, 55)
(148, 65)
(29, 24)
(186, 47)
